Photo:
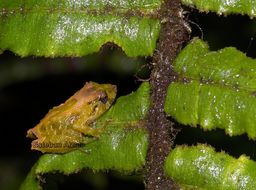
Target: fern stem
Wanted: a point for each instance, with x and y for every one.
(161, 131)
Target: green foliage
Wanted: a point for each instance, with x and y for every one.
(76, 28)
(200, 167)
(214, 90)
(121, 147)
(247, 7)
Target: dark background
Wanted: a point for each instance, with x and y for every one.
(29, 87)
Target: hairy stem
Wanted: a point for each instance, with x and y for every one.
(161, 131)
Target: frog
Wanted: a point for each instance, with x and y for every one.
(71, 124)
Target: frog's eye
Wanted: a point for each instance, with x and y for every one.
(103, 98)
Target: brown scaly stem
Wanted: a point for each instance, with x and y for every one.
(161, 131)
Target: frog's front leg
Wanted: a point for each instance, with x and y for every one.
(84, 124)
(87, 130)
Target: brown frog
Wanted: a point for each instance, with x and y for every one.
(65, 127)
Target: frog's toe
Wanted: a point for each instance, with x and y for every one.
(31, 134)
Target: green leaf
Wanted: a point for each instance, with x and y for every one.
(121, 147)
(200, 167)
(214, 90)
(77, 28)
(247, 7)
